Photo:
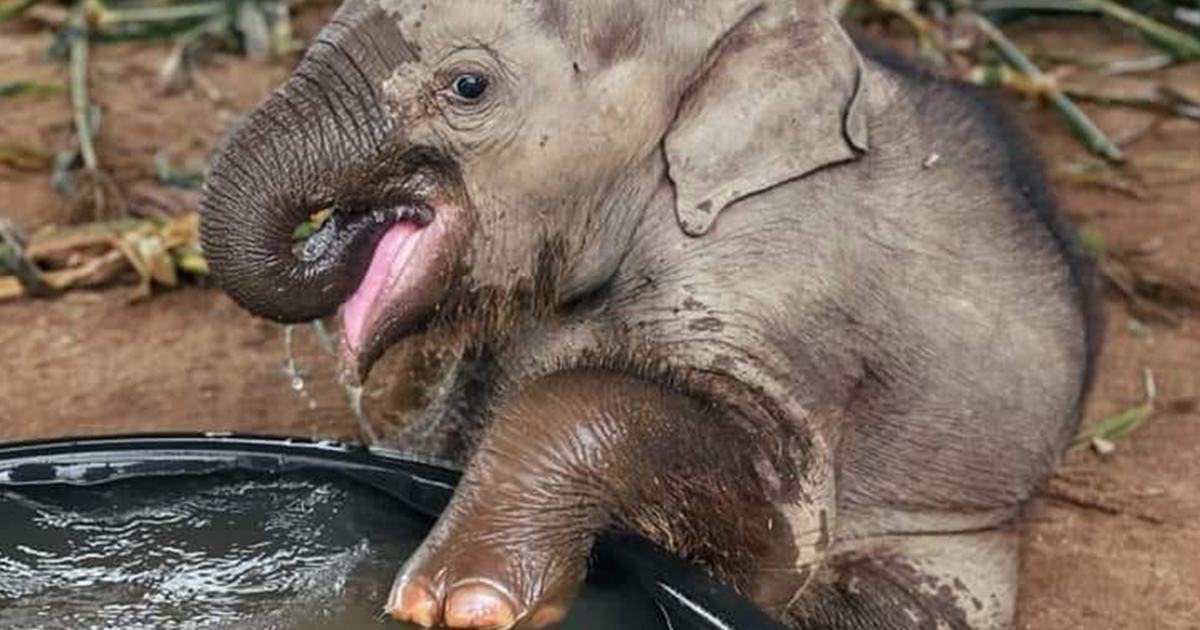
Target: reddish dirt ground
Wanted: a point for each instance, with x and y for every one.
(1113, 546)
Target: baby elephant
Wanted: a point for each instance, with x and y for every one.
(788, 308)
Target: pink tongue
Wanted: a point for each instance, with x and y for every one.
(389, 260)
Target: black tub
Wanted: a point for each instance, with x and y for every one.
(218, 531)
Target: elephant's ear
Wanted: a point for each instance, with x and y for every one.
(779, 101)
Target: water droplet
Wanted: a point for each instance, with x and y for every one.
(288, 332)
(289, 366)
(324, 339)
(355, 394)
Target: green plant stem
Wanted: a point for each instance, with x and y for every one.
(77, 71)
(31, 87)
(162, 14)
(1179, 44)
(1083, 126)
(1065, 6)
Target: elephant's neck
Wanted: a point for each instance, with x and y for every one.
(604, 242)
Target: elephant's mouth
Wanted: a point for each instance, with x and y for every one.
(403, 278)
(394, 266)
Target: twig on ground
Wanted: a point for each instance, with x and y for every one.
(1074, 499)
(1160, 102)
(1093, 172)
(1152, 291)
(1188, 16)
(1104, 433)
(1141, 64)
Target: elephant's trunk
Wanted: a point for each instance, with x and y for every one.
(321, 141)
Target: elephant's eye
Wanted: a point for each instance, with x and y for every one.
(470, 87)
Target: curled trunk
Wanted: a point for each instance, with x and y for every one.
(321, 141)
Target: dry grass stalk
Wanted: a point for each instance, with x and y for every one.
(147, 252)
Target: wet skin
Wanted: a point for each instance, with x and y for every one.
(538, 490)
(688, 270)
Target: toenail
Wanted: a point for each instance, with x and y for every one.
(479, 606)
(413, 603)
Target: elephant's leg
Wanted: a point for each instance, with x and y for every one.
(943, 581)
(570, 455)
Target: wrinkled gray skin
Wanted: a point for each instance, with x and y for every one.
(794, 311)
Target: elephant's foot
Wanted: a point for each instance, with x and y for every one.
(477, 577)
(459, 597)
(511, 548)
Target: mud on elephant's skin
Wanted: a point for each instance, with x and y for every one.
(696, 277)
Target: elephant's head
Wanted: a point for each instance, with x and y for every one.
(475, 152)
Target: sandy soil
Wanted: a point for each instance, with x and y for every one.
(1114, 545)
